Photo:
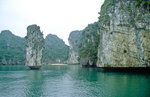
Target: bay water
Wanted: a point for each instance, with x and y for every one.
(71, 81)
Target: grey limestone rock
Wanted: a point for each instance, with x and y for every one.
(124, 30)
(74, 41)
(34, 46)
(89, 45)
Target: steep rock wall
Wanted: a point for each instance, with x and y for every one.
(74, 41)
(89, 44)
(124, 28)
(34, 46)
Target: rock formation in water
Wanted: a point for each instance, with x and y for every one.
(56, 51)
(74, 41)
(12, 49)
(89, 45)
(124, 28)
(34, 46)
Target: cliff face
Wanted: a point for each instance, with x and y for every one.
(56, 51)
(89, 44)
(34, 46)
(12, 49)
(74, 41)
(124, 28)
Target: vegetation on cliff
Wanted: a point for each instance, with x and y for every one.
(89, 44)
(12, 48)
(74, 42)
(145, 3)
(34, 46)
(56, 51)
(124, 31)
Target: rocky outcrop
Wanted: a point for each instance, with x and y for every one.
(124, 28)
(74, 41)
(34, 46)
(88, 46)
(56, 51)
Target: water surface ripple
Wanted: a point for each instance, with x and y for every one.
(71, 81)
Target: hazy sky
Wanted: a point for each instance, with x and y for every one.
(58, 17)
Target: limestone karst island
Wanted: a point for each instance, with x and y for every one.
(109, 57)
(34, 47)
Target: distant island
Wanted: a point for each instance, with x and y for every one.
(119, 39)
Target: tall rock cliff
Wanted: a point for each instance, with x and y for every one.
(89, 45)
(34, 46)
(74, 41)
(124, 28)
(56, 51)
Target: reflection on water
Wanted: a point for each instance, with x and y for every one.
(71, 81)
(34, 84)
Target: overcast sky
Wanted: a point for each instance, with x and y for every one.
(58, 17)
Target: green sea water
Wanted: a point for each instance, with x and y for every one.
(71, 81)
